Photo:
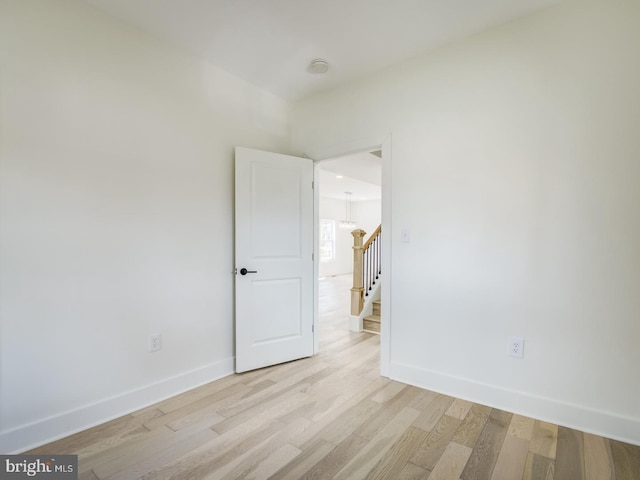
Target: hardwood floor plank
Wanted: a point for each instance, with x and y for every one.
(315, 378)
(250, 459)
(340, 342)
(210, 417)
(459, 409)
(569, 455)
(433, 413)
(374, 450)
(138, 462)
(431, 449)
(388, 392)
(413, 472)
(196, 394)
(393, 407)
(216, 453)
(339, 379)
(133, 434)
(538, 467)
(253, 376)
(147, 416)
(279, 373)
(329, 421)
(220, 404)
(512, 459)
(350, 421)
(274, 462)
(258, 386)
(626, 460)
(313, 408)
(365, 371)
(544, 439)
(472, 426)
(398, 455)
(294, 383)
(365, 354)
(352, 351)
(95, 439)
(347, 389)
(150, 443)
(88, 475)
(521, 427)
(331, 464)
(598, 462)
(485, 452)
(273, 408)
(300, 465)
(423, 399)
(452, 463)
(342, 380)
(200, 406)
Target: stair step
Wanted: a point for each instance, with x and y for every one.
(371, 323)
(376, 307)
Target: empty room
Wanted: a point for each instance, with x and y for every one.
(161, 308)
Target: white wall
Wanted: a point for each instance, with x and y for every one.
(515, 165)
(117, 208)
(367, 213)
(367, 217)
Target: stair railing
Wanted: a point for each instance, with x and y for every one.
(366, 266)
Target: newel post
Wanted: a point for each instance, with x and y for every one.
(357, 292)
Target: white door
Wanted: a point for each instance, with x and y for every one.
(274, 258)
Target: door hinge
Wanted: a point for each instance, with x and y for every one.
(313, 256)
(313, 328)
(312, 185)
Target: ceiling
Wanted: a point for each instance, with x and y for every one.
(360, 173)
(269, 43)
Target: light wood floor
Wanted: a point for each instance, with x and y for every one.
(333, 416)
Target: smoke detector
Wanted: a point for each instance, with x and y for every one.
(318, 65)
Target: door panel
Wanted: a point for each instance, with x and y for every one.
(274, 239)
(275, 212)
(282, 296)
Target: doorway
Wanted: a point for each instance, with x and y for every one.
(324, 158)
(349, 199)
(288, 203)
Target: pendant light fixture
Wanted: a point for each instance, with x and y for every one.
(347, 223)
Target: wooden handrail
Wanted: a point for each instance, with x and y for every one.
(372, 237)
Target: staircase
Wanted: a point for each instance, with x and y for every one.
(366, 281)
(371, 323)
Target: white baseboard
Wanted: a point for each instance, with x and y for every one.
(49, 429)
(579, 417)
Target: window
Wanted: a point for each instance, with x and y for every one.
(327, 240)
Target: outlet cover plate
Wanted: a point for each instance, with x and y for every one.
(515, 347)
(155, 342)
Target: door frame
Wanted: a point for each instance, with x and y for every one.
(382, 143)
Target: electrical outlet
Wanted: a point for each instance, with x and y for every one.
(155, 342)
(516, 347)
